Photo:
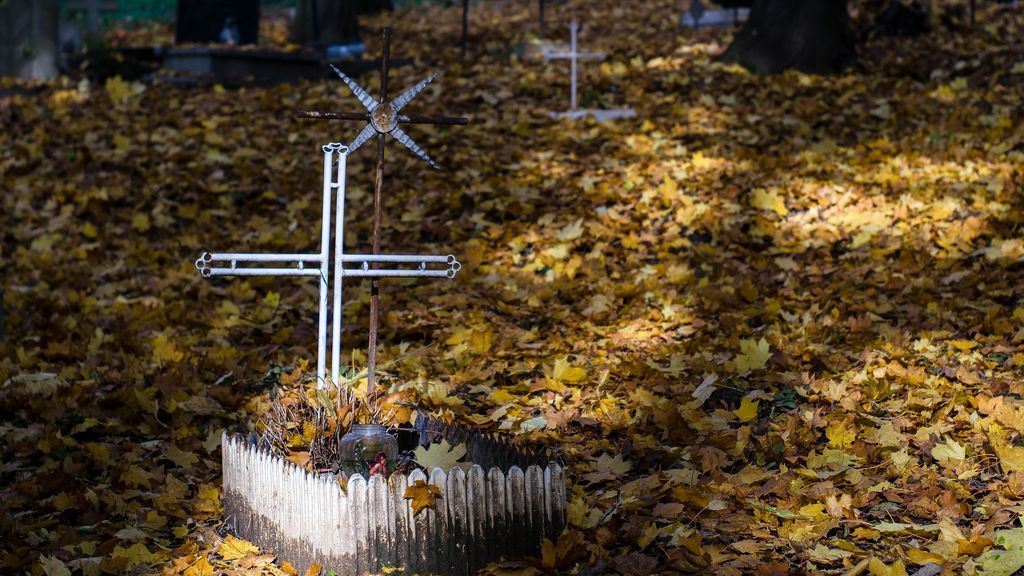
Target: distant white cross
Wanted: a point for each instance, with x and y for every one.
(573, 55)
(247, 264)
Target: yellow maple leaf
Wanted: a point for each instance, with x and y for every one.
(234, 548)
(140, 222)
(747, 410)
(1011, 458)
(839, 436)
(180, 457)
(769, 200)
(582, 514)
(442, 455)
(423, 496)
(754, 355)
(950, 450)
(878, 568)
(119, 90)
(164, 350)
(52, 566)
(480, 341)
(200, 567)
(134, 555)
(565, 372)
(669, 188)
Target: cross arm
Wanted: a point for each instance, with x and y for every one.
(423, 266)
(299, 261)
(578, 55)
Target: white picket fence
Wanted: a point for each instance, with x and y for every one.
(307, 518)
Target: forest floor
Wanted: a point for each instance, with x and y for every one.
(773, 325)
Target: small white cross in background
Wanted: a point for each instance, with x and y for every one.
(247, 264)
(573, 56)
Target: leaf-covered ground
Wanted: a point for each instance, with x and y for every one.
(773, 325)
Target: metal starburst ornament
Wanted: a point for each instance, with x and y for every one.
(383, 116)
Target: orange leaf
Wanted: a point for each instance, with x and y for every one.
(423, 495)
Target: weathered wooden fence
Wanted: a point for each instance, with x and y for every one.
(306, 518)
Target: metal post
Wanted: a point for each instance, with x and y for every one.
(325, 248)
(339, 248)
(371, 353)
(465, 26)
(572, 59)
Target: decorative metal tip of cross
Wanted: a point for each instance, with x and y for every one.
(335, 147)
(201, 265)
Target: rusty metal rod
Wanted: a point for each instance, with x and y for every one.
(371, 353)
(423, 119)
(333, 115)
(465, 27)
(403, 118)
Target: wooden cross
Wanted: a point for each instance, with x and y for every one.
(382, 117)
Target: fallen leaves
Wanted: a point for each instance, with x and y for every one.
(773, 323)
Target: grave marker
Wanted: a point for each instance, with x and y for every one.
(383, 117)
(296, 264)
(573, 56)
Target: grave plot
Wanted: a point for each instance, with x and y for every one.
(503, 504)
(381, 504)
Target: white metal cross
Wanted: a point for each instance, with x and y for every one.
(573, 55)
(248, 264)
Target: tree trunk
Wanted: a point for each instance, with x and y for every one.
(811, 36)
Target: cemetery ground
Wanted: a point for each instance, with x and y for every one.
(772, 325)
